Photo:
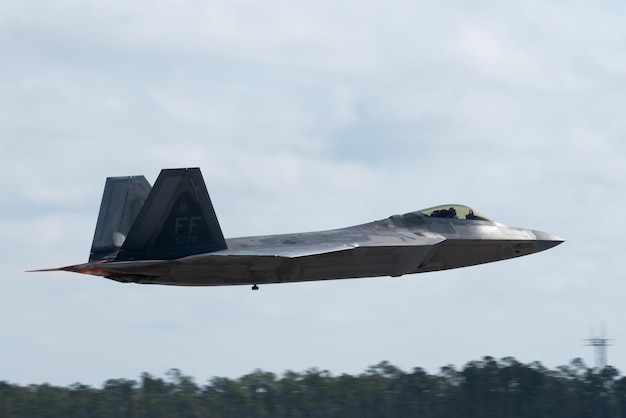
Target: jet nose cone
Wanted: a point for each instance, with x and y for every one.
(545, 240)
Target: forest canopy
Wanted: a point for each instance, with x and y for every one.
(482, 388)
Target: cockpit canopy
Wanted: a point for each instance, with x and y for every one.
(454, 212)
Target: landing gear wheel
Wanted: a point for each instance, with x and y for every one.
(255, 287)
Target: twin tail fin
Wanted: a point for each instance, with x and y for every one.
(122, 200)
(173, 219)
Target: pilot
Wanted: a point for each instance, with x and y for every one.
(439, 213)
(445, 213)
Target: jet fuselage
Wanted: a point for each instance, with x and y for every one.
(169, 234)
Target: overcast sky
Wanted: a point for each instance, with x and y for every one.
(308, 116)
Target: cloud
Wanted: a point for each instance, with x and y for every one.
(307, 116)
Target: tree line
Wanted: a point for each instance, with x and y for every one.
(486, 388)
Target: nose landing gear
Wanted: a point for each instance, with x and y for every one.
(255, 287)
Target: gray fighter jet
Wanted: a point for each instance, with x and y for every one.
(169, 234)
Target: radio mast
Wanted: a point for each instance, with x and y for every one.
(600, 345)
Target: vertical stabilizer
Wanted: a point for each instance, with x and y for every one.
(177, 220)
(122, 200)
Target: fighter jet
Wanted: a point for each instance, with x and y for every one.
(169, 234)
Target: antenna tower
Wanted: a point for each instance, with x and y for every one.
(600, 344)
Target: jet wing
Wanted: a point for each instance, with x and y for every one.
(306, 249)
(378, 256)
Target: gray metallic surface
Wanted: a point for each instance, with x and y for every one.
(177, 219)
(433, 239)
(122, 200)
